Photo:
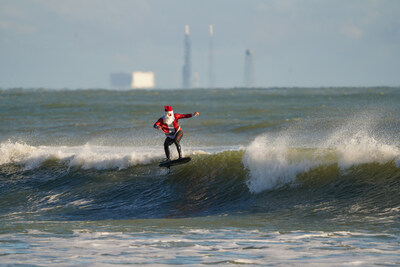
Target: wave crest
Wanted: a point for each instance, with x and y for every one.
(86, 156)
(274, 161)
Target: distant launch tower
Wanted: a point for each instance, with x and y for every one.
(249, 75)
(186, 70)
(211, 74)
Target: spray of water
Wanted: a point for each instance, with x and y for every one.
(276, 159)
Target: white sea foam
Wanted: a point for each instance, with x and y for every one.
(270, 164)
(86, 156)
(274, 161)
(90, 156)
(28, 156)
(361, 148)
(136, 247)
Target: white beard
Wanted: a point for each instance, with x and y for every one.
(169, 119)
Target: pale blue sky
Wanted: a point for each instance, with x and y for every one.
(78, 43)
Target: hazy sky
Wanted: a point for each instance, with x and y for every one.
(78, 43)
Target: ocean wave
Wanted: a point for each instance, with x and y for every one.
(273, 161)
(86, 156)
(350, 171)
(268, 162)
(102, 182)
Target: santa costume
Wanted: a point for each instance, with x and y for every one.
(170, 126)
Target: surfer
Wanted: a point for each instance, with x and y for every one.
(169, 125)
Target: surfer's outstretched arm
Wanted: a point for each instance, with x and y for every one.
(184, 116)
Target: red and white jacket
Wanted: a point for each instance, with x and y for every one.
(171, 129)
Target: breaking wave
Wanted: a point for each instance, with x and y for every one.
(93, 182)
(272, 162)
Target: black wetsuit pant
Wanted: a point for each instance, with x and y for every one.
(170, 141)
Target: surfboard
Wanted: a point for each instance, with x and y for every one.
(170, 163)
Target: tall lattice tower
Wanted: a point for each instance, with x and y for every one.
(187, 68)
(249, 75)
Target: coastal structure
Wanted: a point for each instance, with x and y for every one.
(187, 68)
(211, 73)
(142, 79)
(249, 75)
(196, 79)
(133, 80)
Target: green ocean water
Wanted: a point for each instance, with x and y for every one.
(278, 176)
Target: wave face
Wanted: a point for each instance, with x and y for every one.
(116, 183)
(331, 153)
(93, 183)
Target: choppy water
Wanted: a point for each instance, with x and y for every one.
(278, 176)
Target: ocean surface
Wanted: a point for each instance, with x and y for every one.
(278, 176)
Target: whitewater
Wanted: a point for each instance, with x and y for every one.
(280, 176)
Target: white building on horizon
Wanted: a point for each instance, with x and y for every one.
(133, 80)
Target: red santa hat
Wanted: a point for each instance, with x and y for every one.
(168, 108)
